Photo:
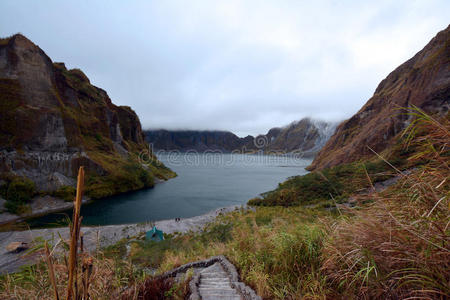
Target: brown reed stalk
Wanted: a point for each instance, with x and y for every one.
(78, 235)
(368, 178)
(51, 271)
(86, 275)
(81, 243)
(74, 235)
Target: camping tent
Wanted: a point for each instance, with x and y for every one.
(154, 235)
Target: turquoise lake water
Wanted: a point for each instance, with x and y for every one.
(205, 182)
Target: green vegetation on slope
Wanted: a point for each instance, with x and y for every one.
(322, 186)
(337, 183)
(123, 175)
(14, 117)
(67, 193)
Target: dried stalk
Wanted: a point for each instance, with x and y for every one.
(74, 235)
(51, 271)
(368, 178)
(81, 243)
(87, 272)
(78, 234)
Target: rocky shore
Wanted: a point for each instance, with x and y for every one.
(39, 206)
(94, 237)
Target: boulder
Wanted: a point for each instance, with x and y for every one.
(16, 246)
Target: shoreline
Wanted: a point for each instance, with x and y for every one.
(43, 205)
(97, 237)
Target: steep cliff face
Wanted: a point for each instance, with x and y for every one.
(422, 81)
(53, 120)
(185, 140)
(306, 136)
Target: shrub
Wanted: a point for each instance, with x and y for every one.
(217, 233)
(20, 190)
(151, 253)
(17, 208)
(98, 137)
(262, 220)
(160, 288)
(151, 289)
(67, 193)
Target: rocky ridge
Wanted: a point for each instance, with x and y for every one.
(423, 81)
(53, 120)
(306, 136)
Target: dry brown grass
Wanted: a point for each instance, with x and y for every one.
(160, 288)
(107, 280)
(398, 247)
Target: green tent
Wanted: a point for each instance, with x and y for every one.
(154, 235)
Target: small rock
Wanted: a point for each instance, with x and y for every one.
(2, 204)
(16, 246)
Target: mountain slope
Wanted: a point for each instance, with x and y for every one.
(53, 120)
(422, 81)
(306, 136)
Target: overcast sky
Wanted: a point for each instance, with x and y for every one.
(243, 66)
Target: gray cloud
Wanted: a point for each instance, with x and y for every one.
(244, 66)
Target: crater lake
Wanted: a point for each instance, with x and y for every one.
(204, 183)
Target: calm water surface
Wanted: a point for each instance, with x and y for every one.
(205, 182)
